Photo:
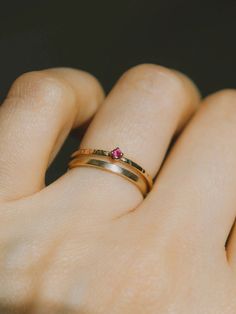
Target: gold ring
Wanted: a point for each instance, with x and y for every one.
(115, 162)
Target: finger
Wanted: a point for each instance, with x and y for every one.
(141, 114)
(199, 175)
(37, 115)
(231, 248)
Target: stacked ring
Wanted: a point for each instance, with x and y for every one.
(113, 161)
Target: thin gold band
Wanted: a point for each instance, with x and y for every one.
(91, 161)
(100, 152)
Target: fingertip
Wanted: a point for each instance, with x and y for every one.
(193, 89)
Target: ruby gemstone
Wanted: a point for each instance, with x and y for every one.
(116, 153)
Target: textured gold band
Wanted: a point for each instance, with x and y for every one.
(91, 161)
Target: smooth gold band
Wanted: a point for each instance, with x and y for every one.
(100, 152)
(113, 161)
(91, 161)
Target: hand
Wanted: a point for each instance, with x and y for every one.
(89, 243)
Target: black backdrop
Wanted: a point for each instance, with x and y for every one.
(107, 37)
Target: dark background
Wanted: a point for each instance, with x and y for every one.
(107, 37)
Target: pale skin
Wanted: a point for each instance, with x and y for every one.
(88, 243)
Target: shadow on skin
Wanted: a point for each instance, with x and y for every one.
(46, 310)
(13, 310)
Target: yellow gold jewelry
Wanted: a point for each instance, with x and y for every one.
(113, 161)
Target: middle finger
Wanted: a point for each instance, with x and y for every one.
(200, 177)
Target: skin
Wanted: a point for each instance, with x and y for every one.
(88, 243)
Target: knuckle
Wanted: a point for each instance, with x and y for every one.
(226, 95)
(152, 78)
(15, 290)
(22, 256)
(40, 85)
(222, 101)
(20, 259)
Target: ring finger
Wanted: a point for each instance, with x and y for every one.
(141, 115)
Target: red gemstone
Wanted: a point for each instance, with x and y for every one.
(116, 153)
